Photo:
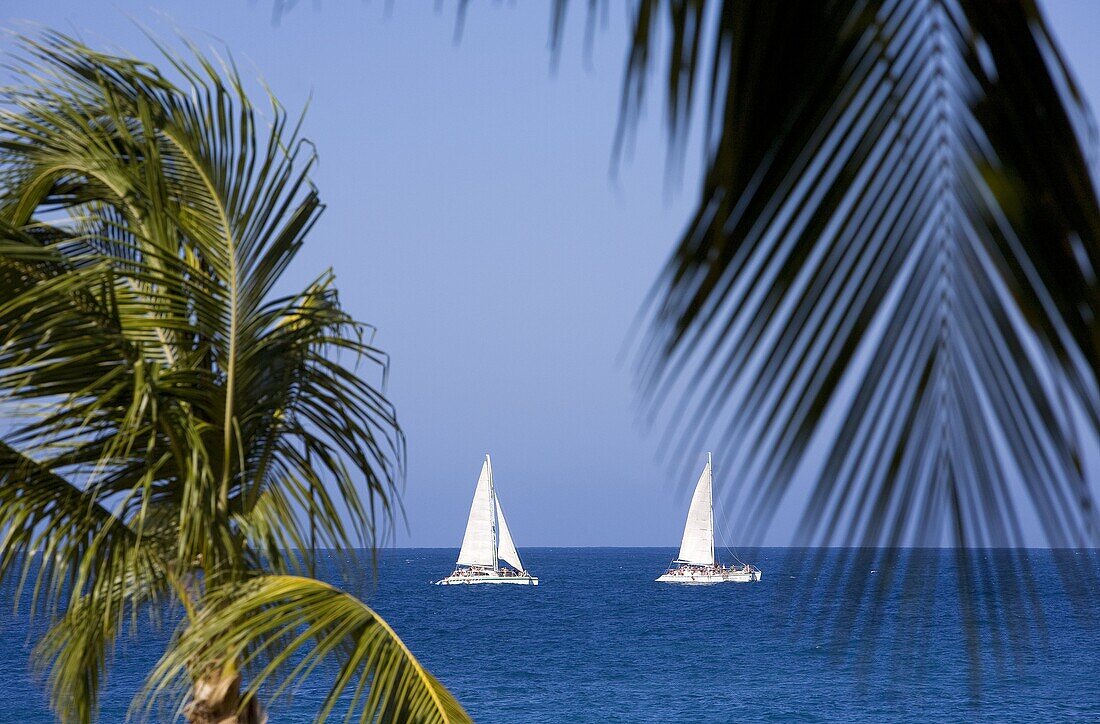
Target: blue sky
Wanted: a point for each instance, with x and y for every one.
(471, 217)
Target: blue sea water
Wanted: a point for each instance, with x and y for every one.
(600, 641)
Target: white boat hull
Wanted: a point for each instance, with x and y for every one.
(699, 578)
(471, 580)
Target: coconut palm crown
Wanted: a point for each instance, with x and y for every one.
(180, 435)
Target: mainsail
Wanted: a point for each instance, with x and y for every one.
(506, 549)
(487, 538)
(697, 547)
(477, 544)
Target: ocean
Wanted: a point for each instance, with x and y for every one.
(599, 641)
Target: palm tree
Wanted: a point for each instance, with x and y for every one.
(182, 433)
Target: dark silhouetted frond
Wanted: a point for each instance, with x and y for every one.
(885, 305)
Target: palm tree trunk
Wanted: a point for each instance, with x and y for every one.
(216, 699)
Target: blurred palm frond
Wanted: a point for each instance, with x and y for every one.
(885, 304)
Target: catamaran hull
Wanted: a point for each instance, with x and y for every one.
(735, 577)
(469, 581)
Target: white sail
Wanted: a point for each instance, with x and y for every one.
(697, 547)
(477, 544)
(506, 549)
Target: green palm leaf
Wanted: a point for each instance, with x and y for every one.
(73, 553)
(177, 431)
(284, 627)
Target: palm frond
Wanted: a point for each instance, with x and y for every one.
(74, 553)
(197, 220)
(884, 238)
(284, 628)
(885, 305)
(144, 226)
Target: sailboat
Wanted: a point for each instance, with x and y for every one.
(487, 543)
(696, 562)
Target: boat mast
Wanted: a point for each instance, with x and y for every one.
(710, 466)
(493, 515)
